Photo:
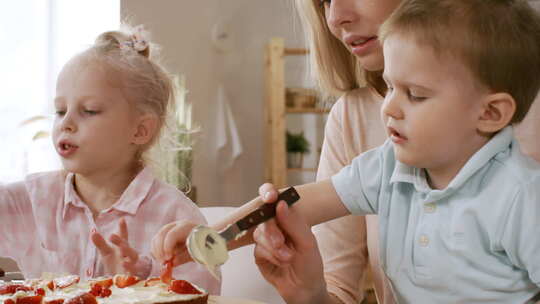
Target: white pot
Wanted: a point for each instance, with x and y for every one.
(295, 159)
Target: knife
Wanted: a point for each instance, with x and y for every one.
(11, 275)
(260, 215)
(209, 247)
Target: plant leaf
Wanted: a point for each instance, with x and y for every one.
(40, 134)
(33, 119)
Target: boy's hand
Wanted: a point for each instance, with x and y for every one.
(170, 242)
(118, 258)
(287, 255)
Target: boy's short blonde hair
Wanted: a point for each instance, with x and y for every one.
(498, 40)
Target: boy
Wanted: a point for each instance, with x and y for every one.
(458, 203)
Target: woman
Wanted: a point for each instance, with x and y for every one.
(347, 59)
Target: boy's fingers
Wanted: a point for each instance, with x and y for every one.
(123, 229)
(158, 241)
(268, 193)
(100, 243)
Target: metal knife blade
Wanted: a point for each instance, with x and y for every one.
(12, 276)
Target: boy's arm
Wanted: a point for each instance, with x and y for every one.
(520, 232)
(318, 203)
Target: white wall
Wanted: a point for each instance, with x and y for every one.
(184, 29)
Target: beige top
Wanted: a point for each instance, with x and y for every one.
(348, 244)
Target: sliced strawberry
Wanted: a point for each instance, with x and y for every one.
(166, 272)
(12, 288)
(40, 291)
(183, 287)
(95, 290)
(30, 300)
(66, 281)
(105, 283)
(106, 293)
(9, 301)
(152, 281)
(85, 298)
(122, 281)
(50, 285)
(57, 301)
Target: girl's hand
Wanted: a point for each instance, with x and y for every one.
(287, 255)
(170, 242)
(118, 258)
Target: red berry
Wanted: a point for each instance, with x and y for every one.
(106, 293)
(183, 287)
(30, 300)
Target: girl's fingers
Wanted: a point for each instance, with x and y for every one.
(181, 257)
(100, 243)
(125, 250)
(176, 238)
(122, 226)
(158, 241)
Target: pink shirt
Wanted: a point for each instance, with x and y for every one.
(45, 226)
(348, 245)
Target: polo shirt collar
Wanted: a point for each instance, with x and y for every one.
(128, 202)
(407, 174)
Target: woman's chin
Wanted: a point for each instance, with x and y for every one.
(372, 62)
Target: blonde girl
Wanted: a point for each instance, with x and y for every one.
(112, 101)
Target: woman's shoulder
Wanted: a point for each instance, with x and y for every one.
(361, 99)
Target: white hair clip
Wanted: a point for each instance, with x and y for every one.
(137, 41)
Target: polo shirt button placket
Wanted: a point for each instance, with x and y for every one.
(430, 208)
(423, 241)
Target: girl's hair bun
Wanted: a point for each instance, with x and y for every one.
(128, 39)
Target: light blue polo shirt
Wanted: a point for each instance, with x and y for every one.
(477, 241)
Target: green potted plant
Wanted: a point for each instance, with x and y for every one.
(297, 146)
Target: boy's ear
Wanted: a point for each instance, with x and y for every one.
(145, 129)
(497, 112)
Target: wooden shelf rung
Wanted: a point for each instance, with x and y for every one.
(307, 110)
(302, 169)
(296, 51)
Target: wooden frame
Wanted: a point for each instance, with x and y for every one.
(275, 110)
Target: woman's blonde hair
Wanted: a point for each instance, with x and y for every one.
(336, 69)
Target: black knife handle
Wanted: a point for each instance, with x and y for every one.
(268, 210)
